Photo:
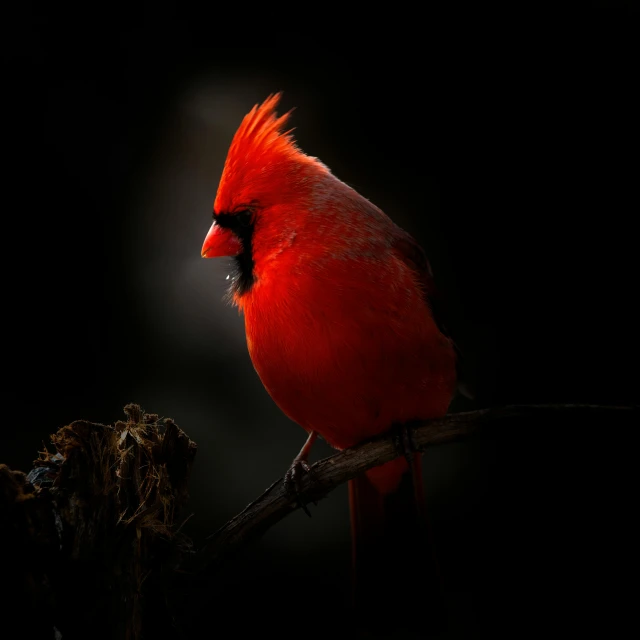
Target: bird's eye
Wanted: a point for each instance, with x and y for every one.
(234, 221)
(244, 217)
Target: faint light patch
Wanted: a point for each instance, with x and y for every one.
(180, 294)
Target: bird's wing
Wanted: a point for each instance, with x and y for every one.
(413, 255)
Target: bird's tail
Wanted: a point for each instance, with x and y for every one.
(396, 584)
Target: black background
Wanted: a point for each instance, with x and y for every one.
(509, 153)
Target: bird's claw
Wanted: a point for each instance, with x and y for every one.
(404, 442)
(292, 480)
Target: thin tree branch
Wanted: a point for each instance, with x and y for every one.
(324, 476)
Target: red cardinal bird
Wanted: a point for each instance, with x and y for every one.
(338, 303)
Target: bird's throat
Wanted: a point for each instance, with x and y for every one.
(244, 276)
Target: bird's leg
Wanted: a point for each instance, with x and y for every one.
(404, 441)
(405, 444)
(299, 466)
(300, 463)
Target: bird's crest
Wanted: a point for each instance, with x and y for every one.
(261, 133)
(261, 152)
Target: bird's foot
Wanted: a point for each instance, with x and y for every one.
(404, 441)
(293, 479)
(298, 468)
(294, 475)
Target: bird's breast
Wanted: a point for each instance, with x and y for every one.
(348, 348)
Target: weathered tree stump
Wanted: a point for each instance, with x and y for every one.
(90, 537)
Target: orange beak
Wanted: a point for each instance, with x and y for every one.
(220, 242)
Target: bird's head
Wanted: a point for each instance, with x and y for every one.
(266, 183)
